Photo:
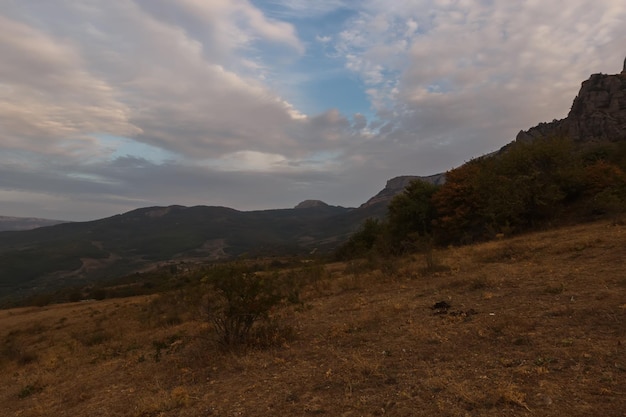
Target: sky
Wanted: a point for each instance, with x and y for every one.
(107, 106)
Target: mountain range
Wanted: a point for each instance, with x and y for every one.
(76, 254)
(79, 253)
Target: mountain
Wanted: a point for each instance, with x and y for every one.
(25, 223)
(78, 253)
(71, 254)
(311, 204)
(597, 114)
(396, 185)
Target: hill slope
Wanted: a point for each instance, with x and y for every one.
(78, 253)
(535, 327)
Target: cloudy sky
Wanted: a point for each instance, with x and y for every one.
(106, 106)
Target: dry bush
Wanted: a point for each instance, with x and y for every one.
(241, 300)
(432, 263)
(30, 389)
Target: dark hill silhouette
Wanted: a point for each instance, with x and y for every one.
(80, 252)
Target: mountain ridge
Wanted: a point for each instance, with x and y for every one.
(83, 252)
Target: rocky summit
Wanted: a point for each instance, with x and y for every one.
(310, 204)
(597, 114)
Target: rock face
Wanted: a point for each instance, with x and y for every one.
(398, 184)
(598, 113)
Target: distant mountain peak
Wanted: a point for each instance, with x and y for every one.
(311, 204)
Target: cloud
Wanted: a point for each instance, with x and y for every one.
(241, 22)
(106, 106)
(323, 39)
(128, 73)
(48, 101)
(451, 72)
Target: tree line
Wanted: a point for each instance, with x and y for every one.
(525, 186)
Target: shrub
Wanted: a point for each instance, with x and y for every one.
(29, 390)
(243, 298)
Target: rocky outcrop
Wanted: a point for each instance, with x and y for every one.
(597, 114)
(398, 184)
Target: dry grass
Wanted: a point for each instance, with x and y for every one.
(536, 326)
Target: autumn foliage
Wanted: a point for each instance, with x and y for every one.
(525, 186)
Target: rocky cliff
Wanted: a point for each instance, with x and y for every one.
(398, 184)
(597, 114)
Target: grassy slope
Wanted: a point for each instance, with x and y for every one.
(548, 338)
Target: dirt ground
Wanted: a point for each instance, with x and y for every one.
(529, 326)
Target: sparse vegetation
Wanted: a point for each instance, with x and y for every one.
(529, 324)
(29, 390)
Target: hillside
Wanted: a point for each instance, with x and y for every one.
(535, 326)
(71, 253)
(75, 254)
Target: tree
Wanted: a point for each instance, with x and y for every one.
(527, 184)
(605, 187)
(363, 240)
(459, 204)
(411, 214)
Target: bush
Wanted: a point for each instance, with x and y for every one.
(243, 298)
